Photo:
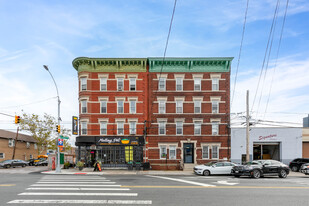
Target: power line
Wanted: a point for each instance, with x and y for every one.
(36, 102)
(271, 29)
(241, 42)
(286, 9)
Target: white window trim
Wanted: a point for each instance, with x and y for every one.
(130, 102)
(206, 145)
(164, 104)
(11, 142)
(218, 149)
(101, 102)
(122, 89)
(102, 122)
(3, 155)
(195, 123)
(218, 107)
(28, 145)
(200, 106)
(178, 100)
(200, 89)
(169, 152)
(81, 105)
(81, 127)
(130, 121)
(160, 153)
(101, 83)
(119, 122)
(164, 121)
(35, 146)
(130, 83)
(213, 124)
(163, 89)
(197, 76)
(181, 78)
(181, 127)
(81, 85)
(118, 100)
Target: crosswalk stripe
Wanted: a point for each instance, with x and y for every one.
(73, 185)
(184, 181)
(74, 188)
(132, 202)
(77, 194)
(75, 182)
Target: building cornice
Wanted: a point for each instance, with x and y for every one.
(174, 64)
(110, 64)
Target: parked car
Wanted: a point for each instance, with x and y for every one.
(214, 168)
(305, 169)
(31, 162)
(260, 168)
(41, 163)
(13, 163)
(297, 163)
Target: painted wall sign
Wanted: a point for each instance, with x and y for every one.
(268, 137)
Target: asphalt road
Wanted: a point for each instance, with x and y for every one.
(151, 190)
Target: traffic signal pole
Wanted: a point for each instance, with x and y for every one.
(15, 143)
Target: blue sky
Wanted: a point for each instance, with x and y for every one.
(37, 32)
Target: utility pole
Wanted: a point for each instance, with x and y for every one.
(247, 129)
(15, 143)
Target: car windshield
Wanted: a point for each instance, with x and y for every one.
(209, 163)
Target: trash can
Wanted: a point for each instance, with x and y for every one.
(138, 166)
(130, 165)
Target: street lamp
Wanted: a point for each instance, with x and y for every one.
(58, 169)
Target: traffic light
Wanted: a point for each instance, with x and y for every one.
(58, 128)
(17, 119)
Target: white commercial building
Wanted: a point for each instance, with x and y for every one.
(282, 144)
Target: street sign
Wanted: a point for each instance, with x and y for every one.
(60, 142)
(62, 137)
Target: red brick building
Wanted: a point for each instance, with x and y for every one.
(184, 106)
(113, 108)
(189, 118)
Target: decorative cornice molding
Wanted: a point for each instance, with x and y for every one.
(110, 64)
(210, 64)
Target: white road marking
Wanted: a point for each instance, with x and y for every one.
(184, 181)
(77, 194)
(73, 185)
(124, 202)
(74, 188)
(226, 183)
(75, 182)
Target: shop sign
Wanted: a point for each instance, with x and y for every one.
(269, 137)
(117, 141)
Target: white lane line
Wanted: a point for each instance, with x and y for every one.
(76, 182)
(124, 202)
(184, 181)
(77, 194)
(72, 185)
(73, 180)
(74, 188)
(226, 183)
(81, 178)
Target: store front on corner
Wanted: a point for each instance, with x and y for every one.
(112, 151)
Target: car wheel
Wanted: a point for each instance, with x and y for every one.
(294, 168)
(283, 174)
(256, 174)
(7, 166)
(206, 173)
(237, 176)
(23, 165)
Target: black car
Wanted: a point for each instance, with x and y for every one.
(305, 169)
(297, 163)
(260, 168)
(13, 163)
(31, 162)
(41, 163)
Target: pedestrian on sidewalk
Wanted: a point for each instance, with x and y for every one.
(97, 166)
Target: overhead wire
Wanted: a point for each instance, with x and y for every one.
(275, 66)
(240, 49)
(31, 103)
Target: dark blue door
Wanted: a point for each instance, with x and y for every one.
(188, 152)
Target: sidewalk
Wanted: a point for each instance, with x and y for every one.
(89, 171)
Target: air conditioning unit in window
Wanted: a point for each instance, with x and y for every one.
(120, 88)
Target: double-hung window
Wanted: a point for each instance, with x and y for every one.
(120, 128)
(197, 84)
(215, 107)
(179, 84)
(197, 106)
(28, 145)
(179, 127)
(104, 107)
(120, 106)
(103, 82)
(162, 81)
(172, 152)
(132, 82)
(215, 84)
(84, 127)
(163, 151)
(132, 127)
(103, 126)
(83, 84)
(215, 128)
(84, 106)
(161, 128)
(215, 152)
(132, 106)
(161, 107)
(205, 152)
(120, 84)
(2, 155)
(197, 127)
(179, 106)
